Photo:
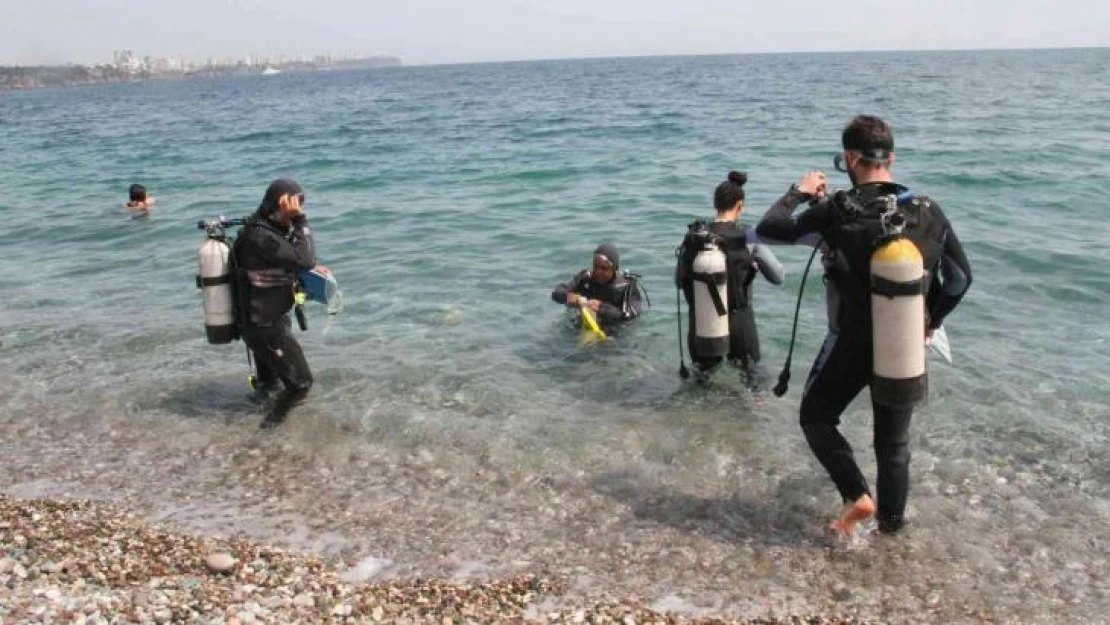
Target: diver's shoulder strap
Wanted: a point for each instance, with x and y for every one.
(635, 281)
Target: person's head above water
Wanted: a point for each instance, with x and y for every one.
(607, 260)
(137, 193)
(729, 195)
(138, 199)
(283, 200)
(868, 144)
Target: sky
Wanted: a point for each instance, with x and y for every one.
(456, 31)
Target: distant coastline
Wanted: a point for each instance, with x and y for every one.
(36, 77)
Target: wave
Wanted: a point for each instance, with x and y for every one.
(257, 136)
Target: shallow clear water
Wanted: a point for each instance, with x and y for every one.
(450, 200)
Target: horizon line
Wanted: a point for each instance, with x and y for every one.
(760, 53)
(667, 55)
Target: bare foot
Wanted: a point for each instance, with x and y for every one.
(854, 513)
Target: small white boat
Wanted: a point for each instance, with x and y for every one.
(270, 71)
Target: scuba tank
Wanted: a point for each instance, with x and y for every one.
(709, 273)
(214, 280)
(897, 279)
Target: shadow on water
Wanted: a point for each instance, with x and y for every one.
(207, 400)
(787, 517)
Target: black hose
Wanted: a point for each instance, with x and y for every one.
(683, 372)
(302, 322)
(240, 306)
(784, 377)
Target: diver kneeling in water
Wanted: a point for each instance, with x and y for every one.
(613, 295)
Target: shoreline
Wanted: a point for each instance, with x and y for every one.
(400, 513)
(31, 78)
(91, 562)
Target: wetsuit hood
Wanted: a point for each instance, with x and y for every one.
(277, 188)
(610, 252)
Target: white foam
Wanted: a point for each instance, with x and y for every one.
(366, 569)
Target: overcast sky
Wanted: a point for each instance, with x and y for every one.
(449, 31)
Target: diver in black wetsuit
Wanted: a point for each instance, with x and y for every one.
(848, 228)
(745, 258)
(612, 294)
(274, 243)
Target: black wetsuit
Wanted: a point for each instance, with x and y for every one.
(742, 269)
(620, 297)
(268, 257)
(844, 365)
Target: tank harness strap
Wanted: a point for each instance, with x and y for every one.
(891, 289)
(713, 280)
(635, 284)
(216, 281)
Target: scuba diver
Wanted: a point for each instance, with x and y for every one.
(612, 295)
(717, 265)
(894, 269)
(273, 245)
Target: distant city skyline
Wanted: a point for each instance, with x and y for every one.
(136, 61)
(447, 31)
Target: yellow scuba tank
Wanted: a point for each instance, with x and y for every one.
(897, 317)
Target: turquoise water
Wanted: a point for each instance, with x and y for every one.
(450, 200)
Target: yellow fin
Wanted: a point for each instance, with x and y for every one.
(590, 330)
